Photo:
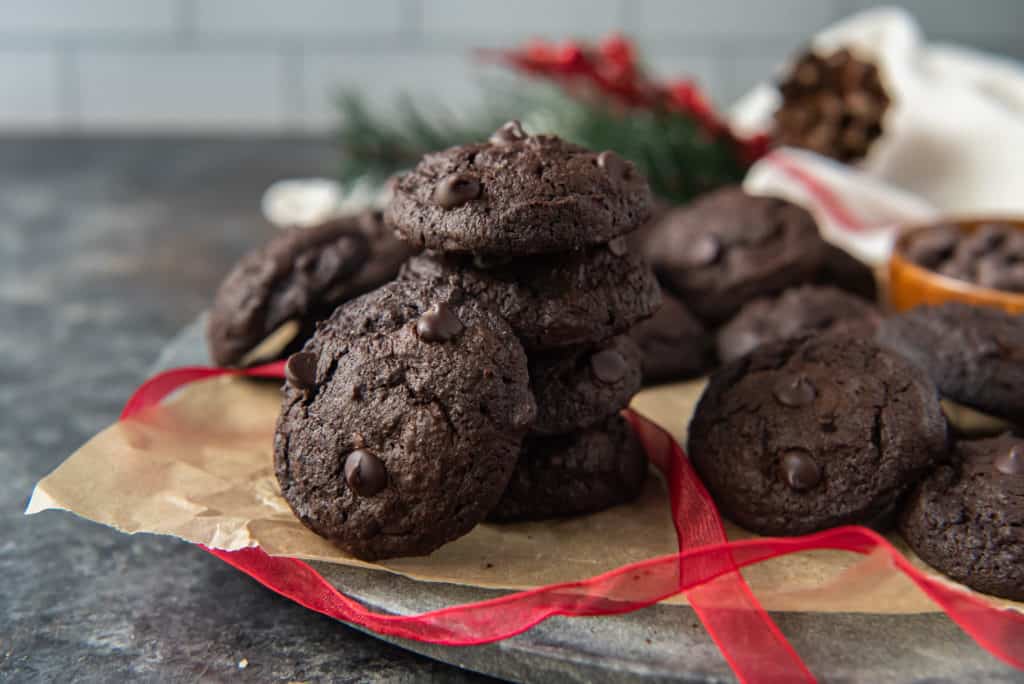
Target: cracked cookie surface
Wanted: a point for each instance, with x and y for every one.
(518, 194)
(552, 301)
(583, 472)
(401, 421)
(967, 518)
(974, 354)
(815, 432)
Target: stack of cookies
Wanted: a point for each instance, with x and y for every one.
(533, 227)
(486, 382)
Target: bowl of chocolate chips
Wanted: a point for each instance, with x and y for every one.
(977, 261)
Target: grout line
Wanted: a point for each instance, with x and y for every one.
(294, 87)
(187, 19)
(410, 28)
(69, 94)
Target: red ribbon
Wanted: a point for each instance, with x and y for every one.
(705, 569)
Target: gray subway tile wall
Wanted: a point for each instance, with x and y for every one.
(271, 66)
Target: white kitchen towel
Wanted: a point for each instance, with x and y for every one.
(952, 141)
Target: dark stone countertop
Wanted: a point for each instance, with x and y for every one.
(107, 248)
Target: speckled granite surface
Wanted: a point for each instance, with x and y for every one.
(107, 248)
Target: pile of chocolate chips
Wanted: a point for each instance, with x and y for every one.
(832, 105)
(992, 256)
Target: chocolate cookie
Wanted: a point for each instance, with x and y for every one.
(967, 518)
(518, 194)
(800, 310)
(583, 386)
(573, 474)
(291, 277)
(554, 301)
(811, 433)
(387, 254)
(675, 344)
(729, 247)
(974, 354)
(992, 256)
(401, 421)
(847, 272)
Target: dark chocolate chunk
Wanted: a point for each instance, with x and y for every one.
(300, 370)
(455, 190)
(439, 324)
(365, 473)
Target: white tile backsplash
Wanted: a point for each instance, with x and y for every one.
(170, 90)
(472, 20)
(87, 18)
(297, 18)
(271, 65)
(29, 93)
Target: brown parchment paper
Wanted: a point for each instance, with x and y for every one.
(200, 467)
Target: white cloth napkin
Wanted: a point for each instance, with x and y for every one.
(952, 141)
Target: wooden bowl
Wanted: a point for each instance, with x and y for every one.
(911, 285)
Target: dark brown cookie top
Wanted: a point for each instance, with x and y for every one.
(729, 247)
(518, 194)
(991, 256)
(800, 310)
(288, 278)
(974, 354)
(812, 433)
(554, 301)
(967, 518)
(401, 421)
(675, 345)
(845, 271)
(583, 472)
(581, 387)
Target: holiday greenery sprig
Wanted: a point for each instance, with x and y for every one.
(602, 98)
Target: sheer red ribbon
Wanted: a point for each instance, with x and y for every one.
(705, 569)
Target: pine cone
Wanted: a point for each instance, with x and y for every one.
(831, 105)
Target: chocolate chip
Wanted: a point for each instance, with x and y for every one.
(614, 164)
(608, 365)
(799, 470)
(365, 473)
(1011, 462)
(618, 247)
(508, 133)
(455, 190)
(300, 370)
(439, 324)
(701, 251)
(794, 391)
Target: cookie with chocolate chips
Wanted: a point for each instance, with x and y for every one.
(974, 354)
(815, 432)
(583, 386)
(553, 301)
(583, 472)
(729, 247)
(966, 518)
(518, 194)
(800, 310)
(402, 421)
(675, 345)
(293, 277)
